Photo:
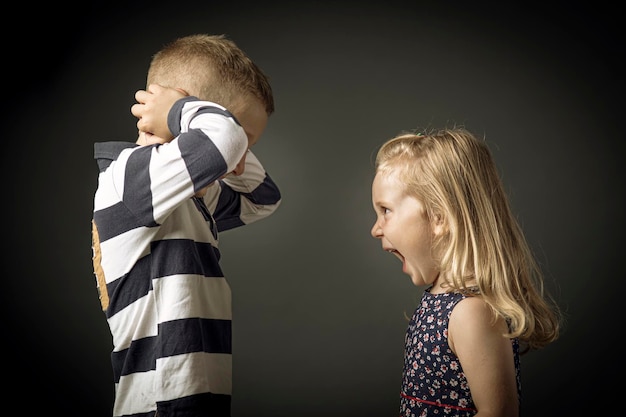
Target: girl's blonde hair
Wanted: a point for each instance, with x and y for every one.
(454, 175)
(212, 68)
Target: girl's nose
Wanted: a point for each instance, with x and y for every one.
(376, 231)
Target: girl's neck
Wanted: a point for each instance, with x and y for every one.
(442, 285)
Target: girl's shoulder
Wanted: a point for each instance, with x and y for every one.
(472, 313)
(473, 306)
(472, 319)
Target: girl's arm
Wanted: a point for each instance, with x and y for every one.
(486, 357)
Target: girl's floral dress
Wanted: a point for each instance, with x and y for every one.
(433, 382)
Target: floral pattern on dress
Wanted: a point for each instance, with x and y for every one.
(433, 382)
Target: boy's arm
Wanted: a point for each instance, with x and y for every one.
(169, 113)
(207, 143)
(237, 200)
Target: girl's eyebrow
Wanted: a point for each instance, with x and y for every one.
(381, 204)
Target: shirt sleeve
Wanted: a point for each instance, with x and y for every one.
(244, 199)
(152, 181)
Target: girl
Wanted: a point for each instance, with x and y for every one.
(441, 209)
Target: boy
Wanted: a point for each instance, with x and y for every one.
(158, 208)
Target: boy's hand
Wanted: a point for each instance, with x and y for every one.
(153, 107)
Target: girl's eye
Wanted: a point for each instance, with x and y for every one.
(386, 210)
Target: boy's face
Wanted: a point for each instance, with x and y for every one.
(253, 118)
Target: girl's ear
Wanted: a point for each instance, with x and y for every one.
(439, 225)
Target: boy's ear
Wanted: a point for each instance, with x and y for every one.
(182, 91)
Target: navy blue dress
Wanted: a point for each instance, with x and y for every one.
(433, 382)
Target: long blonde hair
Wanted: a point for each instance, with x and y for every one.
(454, 175)
(213, 68)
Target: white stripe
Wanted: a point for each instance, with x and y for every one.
(185, 223)
(118, 175)
(170, 182)
(120, 253)
(106, 194)
(190, 296)
(135, 394)
(253, 176)
(252, 212)
(178, 376)
(136, 321)
(195, 373)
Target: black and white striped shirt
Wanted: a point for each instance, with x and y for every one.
(156, 258)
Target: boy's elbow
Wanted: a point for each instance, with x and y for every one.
(256, 212)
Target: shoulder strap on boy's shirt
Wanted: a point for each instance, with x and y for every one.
(106, 152)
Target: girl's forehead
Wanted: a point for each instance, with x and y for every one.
(387, 184)
(389, 175)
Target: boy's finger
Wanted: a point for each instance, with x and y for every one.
(141, 96)
(135, 109)
(154, 88)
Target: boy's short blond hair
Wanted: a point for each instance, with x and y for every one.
(212, 68)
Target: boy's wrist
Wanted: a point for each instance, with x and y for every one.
(174, 116)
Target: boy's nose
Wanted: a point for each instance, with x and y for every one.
(240, 167)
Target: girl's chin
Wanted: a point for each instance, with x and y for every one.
(417, 282)
(415, 277)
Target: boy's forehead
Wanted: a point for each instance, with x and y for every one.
(253, 119)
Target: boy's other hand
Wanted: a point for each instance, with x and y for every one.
(152, 108)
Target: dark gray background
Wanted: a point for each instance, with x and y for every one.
(318, 307)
